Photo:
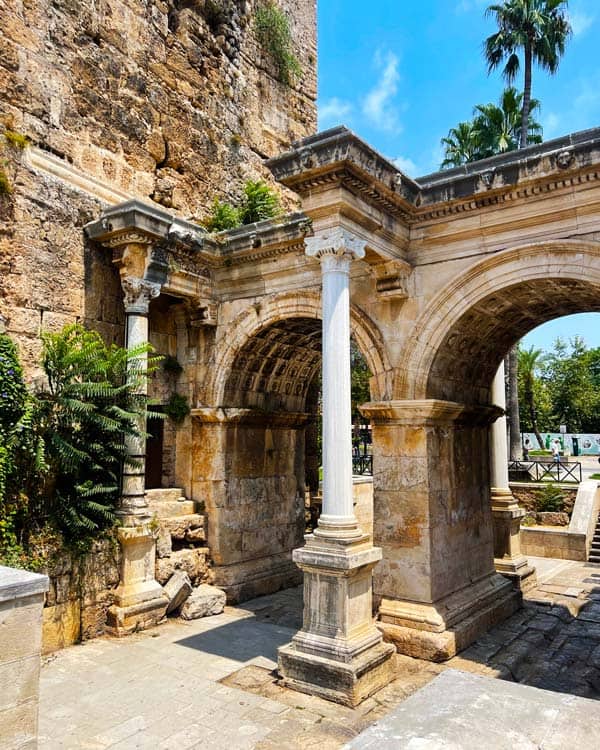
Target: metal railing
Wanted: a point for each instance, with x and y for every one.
(548, 470)
(362, 464)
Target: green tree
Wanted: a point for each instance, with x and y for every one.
(461, 145)
(497, 126)
(538, 29)
(530, 361)
(570, 379)
(494, 129)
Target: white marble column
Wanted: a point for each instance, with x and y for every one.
(338, 654)
(506, 512)
(498, 436)
(337, 518)
(137, 296)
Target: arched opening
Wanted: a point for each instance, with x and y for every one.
(257, 452)
(437, 582)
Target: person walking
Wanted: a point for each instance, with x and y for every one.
(556, 451)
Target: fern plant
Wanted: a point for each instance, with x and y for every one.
(222, 216)
(92, 404)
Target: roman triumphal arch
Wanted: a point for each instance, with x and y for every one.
(436, 279)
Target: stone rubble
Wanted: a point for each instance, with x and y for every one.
(203, 601)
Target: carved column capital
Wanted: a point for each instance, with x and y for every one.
(138, 293)
(335, 248)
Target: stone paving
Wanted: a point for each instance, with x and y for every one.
(209, 683)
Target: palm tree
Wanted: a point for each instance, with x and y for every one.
(461, 145)
(498, 126)
(529, 361)
(538, 28)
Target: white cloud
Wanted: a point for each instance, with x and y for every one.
(552, 125)
(333, 112)
(580, 22)
(466, 6)
(377, 105)
(406, 165)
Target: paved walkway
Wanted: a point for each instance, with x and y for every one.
(209, 683)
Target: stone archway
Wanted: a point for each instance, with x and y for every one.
(249, 451)
(437, 584)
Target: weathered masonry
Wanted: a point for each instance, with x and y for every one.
(456, 268)
(438, 277)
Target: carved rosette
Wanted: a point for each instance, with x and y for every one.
(336, 249)
(138, 293)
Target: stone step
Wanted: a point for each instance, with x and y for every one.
(169, 494)
(185, 527)
(172, 509)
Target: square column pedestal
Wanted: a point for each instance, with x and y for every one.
(436, 587)
(508, 558)
(140, 601)
(339, 654)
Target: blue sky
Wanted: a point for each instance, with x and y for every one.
(401, 74)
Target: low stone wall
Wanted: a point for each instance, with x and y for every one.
(80, 593)
(552, 541)
(21, 602)
(567, 544)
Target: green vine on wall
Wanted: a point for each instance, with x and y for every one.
(274, 36)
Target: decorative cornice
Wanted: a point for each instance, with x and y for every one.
(337, 158)
(429, 412)
(227, 415)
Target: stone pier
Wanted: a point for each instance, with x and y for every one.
(338, 654)
(21, 604)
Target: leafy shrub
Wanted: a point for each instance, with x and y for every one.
(274, 36)
(550, 499)
(68, 447)
(222, 216)
(14, 402)
(18, 140)
(177, 408)
(260, 202)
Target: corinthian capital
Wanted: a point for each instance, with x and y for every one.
(138, 293)
(336, 242)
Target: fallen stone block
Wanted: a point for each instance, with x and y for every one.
(193, 561)
(204, 601)
(177, 588)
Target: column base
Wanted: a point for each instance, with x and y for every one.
(348, 683)
(518, 571)
(339, 654)
(140, 601)
(438, 631)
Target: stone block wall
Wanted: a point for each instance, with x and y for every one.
(80, 593)
(21, 601)
(157, 99)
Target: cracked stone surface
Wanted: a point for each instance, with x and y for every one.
(210, 683)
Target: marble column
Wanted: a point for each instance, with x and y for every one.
(506, 512)
(338, 654)
(140, 601)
